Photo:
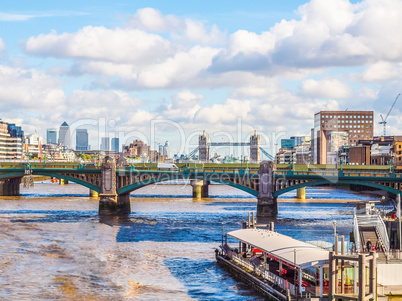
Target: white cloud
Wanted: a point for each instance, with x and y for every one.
(151, 19)
(326, 88)
(109, 104)
(99, 43)
(15, 17)
(2, 45)
(28, 90)
(381, 71)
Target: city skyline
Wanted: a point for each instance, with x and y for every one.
(272, 65)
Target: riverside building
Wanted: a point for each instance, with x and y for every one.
(334, 129)
(11, 139)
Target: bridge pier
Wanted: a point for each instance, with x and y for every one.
(200, 188)
(63, 182)
(301, 193)
(110, 202)
(115, 205)
(267, 205)
(93, 194)
(10, 187)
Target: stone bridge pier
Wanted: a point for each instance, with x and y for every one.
(10, 187)
(110, 202)
(200, 188)
(267, 205)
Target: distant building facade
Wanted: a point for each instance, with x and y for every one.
(11, 141)
(105, 144)
(81, 140)
(51, 136)
(333, 129)
(64, 135)
(33, 146)
(115, 146)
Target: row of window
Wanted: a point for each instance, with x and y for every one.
(347, 121)
(347, 116)
(348, 127)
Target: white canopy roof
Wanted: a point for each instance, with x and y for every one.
(283, 247)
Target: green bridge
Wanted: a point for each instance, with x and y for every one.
(265, 181)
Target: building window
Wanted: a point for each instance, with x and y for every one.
(350, 140)
(339, 116)
(371, 121)
(371, 126)
(326, 126)
(343, 126)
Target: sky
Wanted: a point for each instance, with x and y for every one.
(167, 70)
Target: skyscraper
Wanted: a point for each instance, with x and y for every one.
(166, 149)
(64, 134)
(115, 145)
(81, 139)
(51, 136)
(105, 144)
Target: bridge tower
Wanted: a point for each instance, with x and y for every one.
(203, 147)
(267, 205)
(110, 202)
(255, 148)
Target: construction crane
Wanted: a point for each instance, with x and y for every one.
(384, 121)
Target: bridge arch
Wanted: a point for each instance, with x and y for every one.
(138, 185)
(326, 182)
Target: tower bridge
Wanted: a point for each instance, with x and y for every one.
(114, 183)
(204, 146)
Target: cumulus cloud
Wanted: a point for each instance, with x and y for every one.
(2, 45)
(328, 34)
(28, 90)
(326, 88)
(151, 19)
(99, 43)
(381, 71)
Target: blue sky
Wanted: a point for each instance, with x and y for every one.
(166, 70)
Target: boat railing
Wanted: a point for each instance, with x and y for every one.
(243, 262)
(382, 233)
(356, 232)
(262, 271)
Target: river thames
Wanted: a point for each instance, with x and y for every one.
(55, 247)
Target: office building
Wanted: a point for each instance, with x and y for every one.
(81, 140)
(64, 135)
(166, 150)
(51, 136)
(333, 129)
(288, 143)
(115, 145)
(11, 141)
(105, 144)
